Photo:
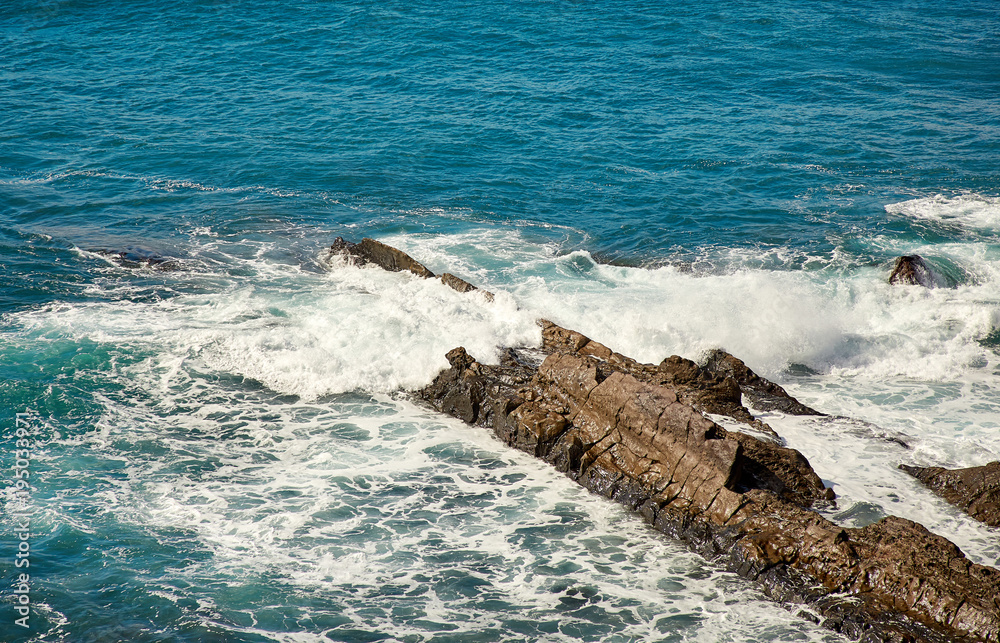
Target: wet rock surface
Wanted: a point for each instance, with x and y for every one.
(975, 490)
(930, 272)
(369, 251)
(763, 394)
(911, 270)
(634, 433)
(461, 285)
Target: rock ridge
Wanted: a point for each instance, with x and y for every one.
(632, 433)
(974, 490)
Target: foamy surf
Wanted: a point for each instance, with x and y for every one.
(859, 460)
(249, 416)
(970, 211)
(831, 320)
(299, 333)
(412, 525)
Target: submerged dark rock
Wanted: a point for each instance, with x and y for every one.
(140, 258)
(910, 270)
(913, 270)
(633, 433)
(933, 272)
(975, 490)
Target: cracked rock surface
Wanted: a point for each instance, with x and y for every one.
(975, 490)
(638, 434)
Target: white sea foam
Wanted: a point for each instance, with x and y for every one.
(847, 324)
(835, 319)
(410, 524)
(306, 334)
(973, 211)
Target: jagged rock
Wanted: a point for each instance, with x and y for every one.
(461, 285)
(975, 490)
(394, 260)
(911, 270)
(634, 433)
(704, 390)
(388, 258)
(763, 394)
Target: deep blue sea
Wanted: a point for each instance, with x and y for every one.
(215, 440)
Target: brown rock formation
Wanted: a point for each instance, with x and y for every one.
(911, 270)
(763, 394)
(634, 433)
(370, 251)
(699, 387)
(975, 490)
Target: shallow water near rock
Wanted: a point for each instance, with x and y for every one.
(222, 451)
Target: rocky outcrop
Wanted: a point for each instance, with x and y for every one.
(701, 388)
(975, 490)
(375, 252)
(370, 251)
(634, 433)
(640, 434)
(763, 394)
(912, 270)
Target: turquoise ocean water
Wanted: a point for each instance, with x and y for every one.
(218, 445)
